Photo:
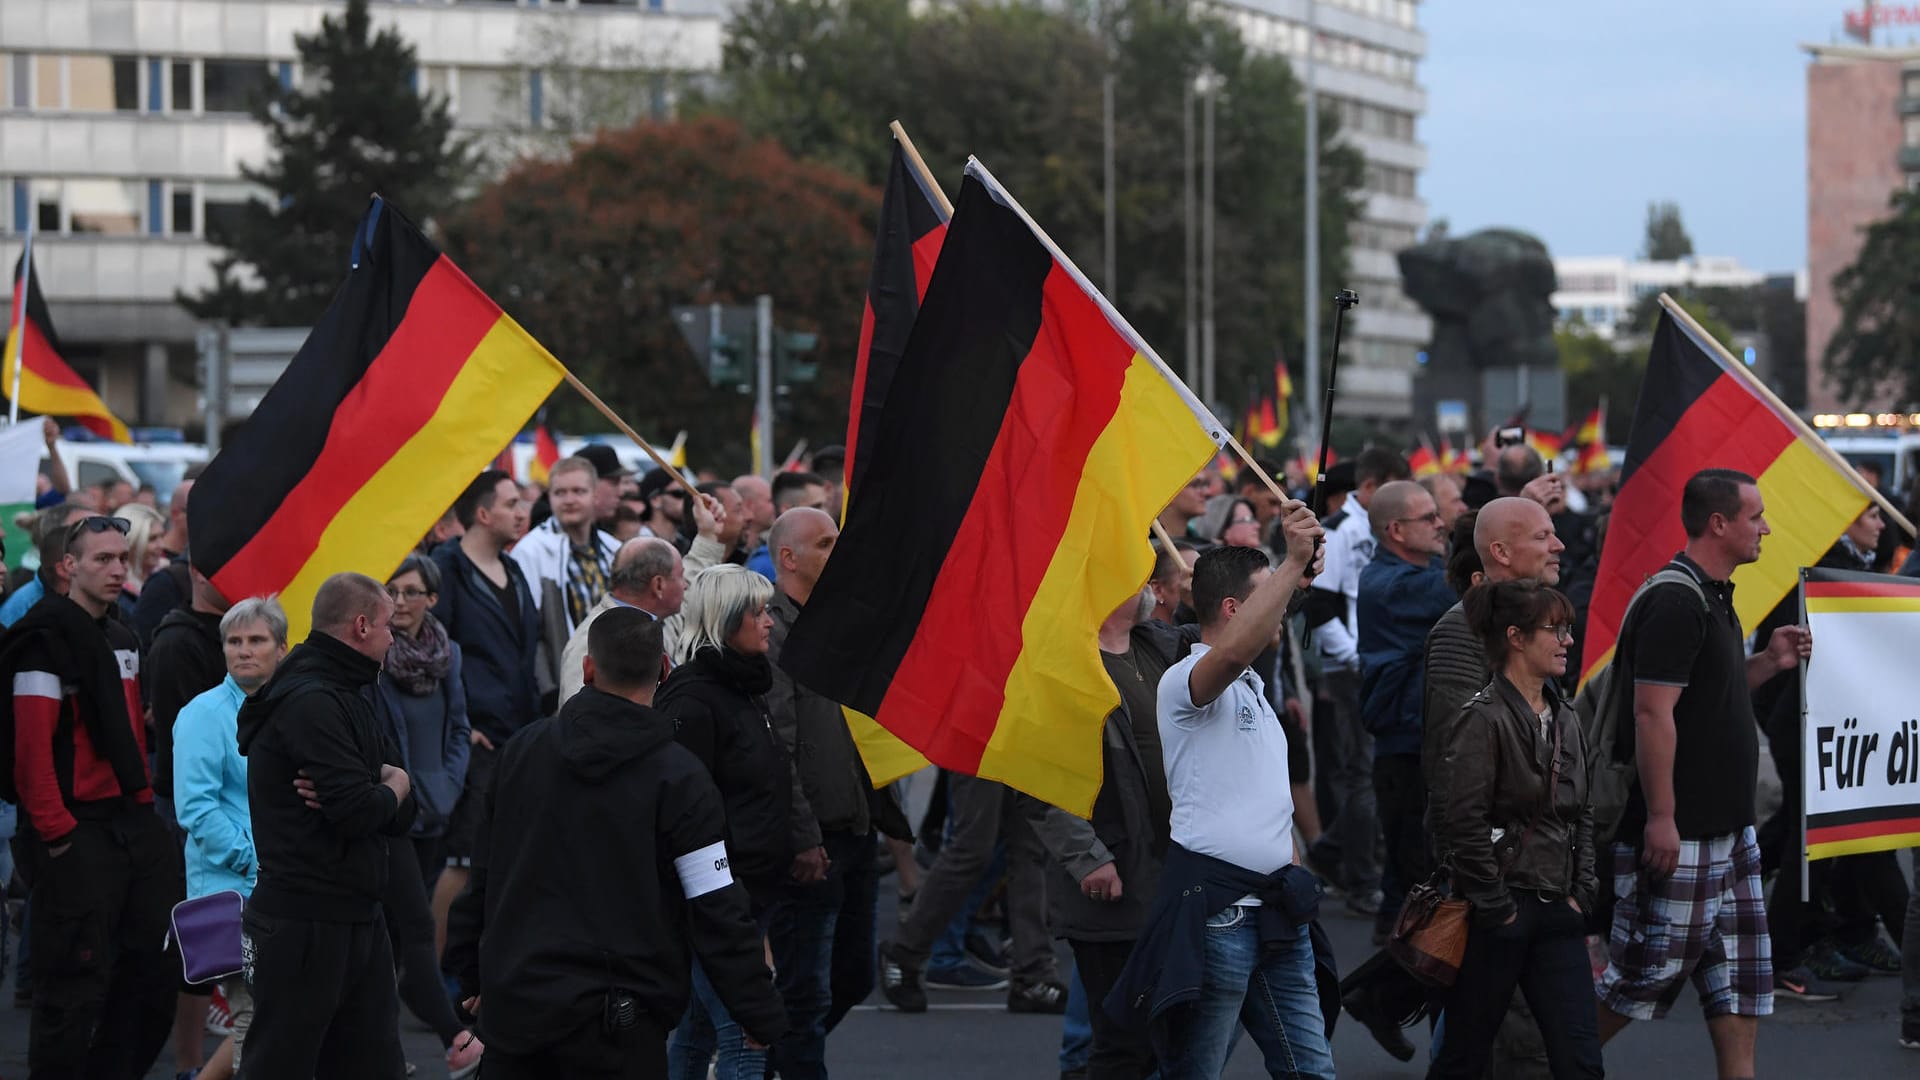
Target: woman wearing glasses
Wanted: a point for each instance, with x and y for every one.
(420, 700)
(1516, 828)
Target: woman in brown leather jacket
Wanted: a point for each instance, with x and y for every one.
(1517, 831)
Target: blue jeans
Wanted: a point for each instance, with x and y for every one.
(708, 1027)
(823, 953)
(1076, 1030)
(1272, 994)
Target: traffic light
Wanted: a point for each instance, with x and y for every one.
(789, 348)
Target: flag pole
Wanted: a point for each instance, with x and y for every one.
(920, 166)
(1160, 534)
(593, 399)
(20, 324)
(1807, 435)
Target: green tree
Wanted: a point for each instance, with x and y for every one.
(1874, 354)
(1597, 368)
(1020, 87)
(353, 128)
(1667, 238)
(593, 252)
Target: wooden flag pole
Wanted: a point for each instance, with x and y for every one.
(920, 166)
(1807, 435)
(1160, 534)
(593, 399)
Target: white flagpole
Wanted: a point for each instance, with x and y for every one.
(20, 324)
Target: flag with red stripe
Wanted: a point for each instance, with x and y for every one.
(48, 385)
(405, 389)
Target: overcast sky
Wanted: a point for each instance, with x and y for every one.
(1565, 119)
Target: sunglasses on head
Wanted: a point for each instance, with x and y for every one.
(97, 524)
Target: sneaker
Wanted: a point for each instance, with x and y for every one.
(1910, 1033)
(905, 906)
(1383, 1029)
(1049, 998)
(463, 1057)
(899, 983)
(1825, 962)
(1801, 985)
(963, 977)
(1876, 956)
(219, 1016)
(1364, 904)
(986, 954)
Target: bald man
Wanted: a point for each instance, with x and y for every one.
(648, 574)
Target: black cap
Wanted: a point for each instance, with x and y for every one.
(1339, 478)
(606, 463)
(656, 481)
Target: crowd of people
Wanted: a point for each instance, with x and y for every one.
(548, 787)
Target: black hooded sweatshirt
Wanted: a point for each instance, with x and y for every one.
(600, 859)
(330, 864)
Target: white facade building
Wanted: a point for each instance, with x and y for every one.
(124, 125)
(1603, 290)
(1367, 62)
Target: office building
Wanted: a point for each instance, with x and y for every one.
(1603, 291)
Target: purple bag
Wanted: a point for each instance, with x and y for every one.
(208, 930)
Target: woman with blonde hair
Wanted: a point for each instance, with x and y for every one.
(145, 556)
(717, 698)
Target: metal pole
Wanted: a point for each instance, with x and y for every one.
(1112, 256)
(1207, 358)
(1193, 252)
(20, 319)
(713, 338)
(763, 376)
(1310, 289)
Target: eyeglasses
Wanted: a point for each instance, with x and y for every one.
(1562, 632)
(1432, 517)
(97, 524)
(408, 594)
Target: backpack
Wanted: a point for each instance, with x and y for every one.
(1612, 775)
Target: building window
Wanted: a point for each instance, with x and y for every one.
(182, 210)
(46, 205)
(107, 207)
(492, 97)
(1912, 124)
(182, 87)
(20, 81)
(1910, 84)
(232, 86)
(224, 205)
(46, 82)
(103, 84)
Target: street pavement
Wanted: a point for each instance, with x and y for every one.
(972, 1037)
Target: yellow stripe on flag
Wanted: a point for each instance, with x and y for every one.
(1830, 605)
(41, 395)
(1058, 694)
(502, 382)
(886, 757)
(1861, 845)
(1808, 506)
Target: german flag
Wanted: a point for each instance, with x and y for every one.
(1423, 461)
(546, 450)
(47, 385)
(1283, 383)
(1029, 440)
(1544, 443)
(405, 389)
(1698, 410)
(1593, 458)
(1591, 430)
(905, 246)
(1271, 431)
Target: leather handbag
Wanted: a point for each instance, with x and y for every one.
(208, 931)
(1429, 939)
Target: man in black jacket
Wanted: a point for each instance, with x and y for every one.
(315, 944)
(575, 953)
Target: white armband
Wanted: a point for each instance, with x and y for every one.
(704, 871)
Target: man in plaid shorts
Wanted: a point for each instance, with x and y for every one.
(1688, 900)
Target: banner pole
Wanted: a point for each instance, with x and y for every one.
(1806, 866)
(920, 166)
(593, 399)
(1807, 435)
(20, 323)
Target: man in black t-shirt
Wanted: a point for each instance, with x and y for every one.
(1689, 897)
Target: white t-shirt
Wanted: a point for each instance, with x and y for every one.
(1226, 771)
(1349, 549)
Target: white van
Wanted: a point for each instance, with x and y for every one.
(161, 465)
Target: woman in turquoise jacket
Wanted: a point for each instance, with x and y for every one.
(210, 785)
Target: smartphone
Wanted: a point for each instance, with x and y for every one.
(1509, 436)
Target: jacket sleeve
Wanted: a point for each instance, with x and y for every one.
(702, 554)
(720, 924)
(37, 701)
(572, 657)
(458, 745)
(1071, 842)
(199, 773)
(1586, 858)
(781, 705)
(529, 554)
(401, 823)
(1454, 673)
(319, 741)
(1464, 828)
(693, 729)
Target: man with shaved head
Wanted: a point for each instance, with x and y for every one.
(649, 575)
(1403, 592)
(823, 933)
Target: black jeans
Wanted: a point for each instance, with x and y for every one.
(1119, 1052)
(324, 1003)
(1543, 952)
(410, 932)
(1401, 792)
(103, 982)
(822, 938)
(590, 1053)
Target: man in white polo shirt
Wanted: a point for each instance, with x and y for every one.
(1230, 923)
